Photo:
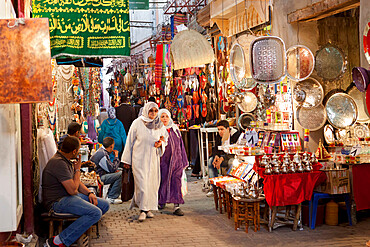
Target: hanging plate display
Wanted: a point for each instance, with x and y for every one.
(359, 98)
(361, 131)
(341, 110)
(237, 65)
(366, 41)
(247, 102)
(245, 120)
(330, 62)
(341, 134)
(300, 62)
(329, 134)
(308, 93)
(311, 118)
(268, 61)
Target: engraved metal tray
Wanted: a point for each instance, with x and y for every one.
(341, 110)
(311, 118)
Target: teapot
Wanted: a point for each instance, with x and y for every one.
(268, 169)
(284, 167)
(276, 167)
(253, 193)
(292, 167)
(300, 167)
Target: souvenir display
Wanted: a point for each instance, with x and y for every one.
(341, 110)
(300, 62)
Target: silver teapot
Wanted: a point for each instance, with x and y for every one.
(308, 166)
(300, 167)
(306, 157)
(268, 169)
(313, 159)
(292, 167)
(284, 167)
(276, 167)
(296, 158)
(253, 193)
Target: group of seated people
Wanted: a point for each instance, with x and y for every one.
(63, 191)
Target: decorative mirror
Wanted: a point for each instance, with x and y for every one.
(330, 62)
(359, 98)
(237, 65)
(300, 62)
(245, 120)
(307, 121)
(268, 61)
(308, 93)
(341, 110)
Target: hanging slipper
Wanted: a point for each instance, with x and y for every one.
(180, 101)
(195, 97)
(204, 97)
(204, 110)
(188, 112)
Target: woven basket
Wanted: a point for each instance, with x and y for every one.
(189, 49)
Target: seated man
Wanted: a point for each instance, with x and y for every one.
(219, 158)
(63, 192)
(74, 129)
(107, 169)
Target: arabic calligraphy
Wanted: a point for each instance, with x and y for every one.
(88, 23)
(92, 3)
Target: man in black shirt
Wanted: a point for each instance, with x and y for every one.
(63, 192)
(125, 112)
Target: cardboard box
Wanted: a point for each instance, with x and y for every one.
(337, 182)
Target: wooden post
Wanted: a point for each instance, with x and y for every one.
(27, 175)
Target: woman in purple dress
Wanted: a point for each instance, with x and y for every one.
(173, 163)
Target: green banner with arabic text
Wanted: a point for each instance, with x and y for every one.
(86, 28)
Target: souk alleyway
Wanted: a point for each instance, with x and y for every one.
(202, 225)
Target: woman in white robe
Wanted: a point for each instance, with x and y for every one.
(144, 147)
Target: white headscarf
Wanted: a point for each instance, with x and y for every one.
(171, 124)
(150, 123)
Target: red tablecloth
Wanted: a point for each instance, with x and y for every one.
(361, 185)
(290, 189)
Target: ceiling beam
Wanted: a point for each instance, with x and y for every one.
(322, 9)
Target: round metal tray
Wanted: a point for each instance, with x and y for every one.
(311, 118)
(341, 110)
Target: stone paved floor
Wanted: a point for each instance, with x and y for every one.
(202, 225)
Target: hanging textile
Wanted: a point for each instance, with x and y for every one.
(158, 68)
(86, 28)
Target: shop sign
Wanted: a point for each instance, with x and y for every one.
(139, 4)
(86, 28)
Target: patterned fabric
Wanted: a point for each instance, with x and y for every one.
(158, 67)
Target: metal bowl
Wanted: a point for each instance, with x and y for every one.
(330, 62)
(245, 120)
(308, 93)
(247, 102)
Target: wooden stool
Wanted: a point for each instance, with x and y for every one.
(60, 219)
(222, 199)
(247, 210)
(289, 219)
(215, 195)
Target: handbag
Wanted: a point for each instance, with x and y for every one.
(127, 184)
